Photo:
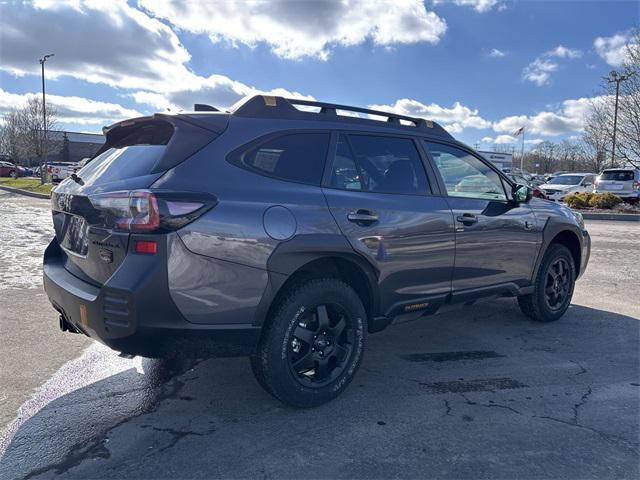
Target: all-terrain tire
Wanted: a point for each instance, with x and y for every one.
(537, 305)
(273, 365)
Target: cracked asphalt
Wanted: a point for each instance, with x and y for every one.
(479, 392)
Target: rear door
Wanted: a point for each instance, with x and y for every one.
(386, 205)
(496, 239)
(616, 181)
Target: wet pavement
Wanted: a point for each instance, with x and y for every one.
(478, 392)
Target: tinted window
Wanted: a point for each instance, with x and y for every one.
(617, 175)
(120, 163)
(465, 175)
(378, 164)
(297, 157)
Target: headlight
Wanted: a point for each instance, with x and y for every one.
(579, 218)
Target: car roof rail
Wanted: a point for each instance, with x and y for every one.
(267, 106)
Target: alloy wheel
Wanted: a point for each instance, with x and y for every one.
(557, 284)
(321, 345)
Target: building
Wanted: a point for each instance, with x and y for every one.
(500, 160)
(73, 146)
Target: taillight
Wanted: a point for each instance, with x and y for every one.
(636, 185)
(144, 211)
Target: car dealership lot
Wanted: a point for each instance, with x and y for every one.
(477, 392)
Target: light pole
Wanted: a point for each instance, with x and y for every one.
(615, 77)
(44, 122)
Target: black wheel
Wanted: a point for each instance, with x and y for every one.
(553, 287)
(312, 344)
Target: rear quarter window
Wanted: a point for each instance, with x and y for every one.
(295, 157)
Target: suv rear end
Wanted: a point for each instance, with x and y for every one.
(106, 270)
(623, 182)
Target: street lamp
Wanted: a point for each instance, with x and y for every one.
(615, 77)
(44, 119)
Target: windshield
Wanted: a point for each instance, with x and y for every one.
(619, 175)
(566, 180)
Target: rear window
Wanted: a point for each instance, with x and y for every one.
(134, 151)
(617, 175)
(297, 157)
(121, 163)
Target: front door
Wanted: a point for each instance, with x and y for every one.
(496, 239)
(381, 198)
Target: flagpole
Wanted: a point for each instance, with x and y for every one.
(522, 153)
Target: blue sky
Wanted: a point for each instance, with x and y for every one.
(482, 68)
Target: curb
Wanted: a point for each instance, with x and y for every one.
(27, 193)
(625, 217)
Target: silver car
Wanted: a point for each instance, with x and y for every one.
(623, 182)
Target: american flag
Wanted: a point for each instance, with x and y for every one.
(518, 132)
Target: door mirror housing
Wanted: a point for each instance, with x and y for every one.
(521, 193)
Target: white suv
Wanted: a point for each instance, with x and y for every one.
(559, 187)
(623, 182)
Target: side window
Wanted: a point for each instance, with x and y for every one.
(465, 175)
(297, 157)
(378, 164)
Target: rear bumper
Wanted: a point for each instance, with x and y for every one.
(133, 312)
(626, 194)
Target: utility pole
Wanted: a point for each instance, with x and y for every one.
(43, 162)
(615, 77)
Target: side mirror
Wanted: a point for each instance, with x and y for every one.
(521, 193)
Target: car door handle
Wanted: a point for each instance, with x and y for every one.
(467, 218)
(363, 216)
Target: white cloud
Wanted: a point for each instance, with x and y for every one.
(496, 53)
(454, 119)
(479, 6)
(75, 110)
(500, 139)
(296, 29)
(535, 141)
(99, 42)
(563, 52)
(613, 50)
(540, 69)
(113, 44)
(569, 118)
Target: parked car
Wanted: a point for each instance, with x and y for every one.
(623, 182)
(58, 171)
(7, 169)
(537, 192)
(291, 235)
(562, 185)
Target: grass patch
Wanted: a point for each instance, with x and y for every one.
(29, 184)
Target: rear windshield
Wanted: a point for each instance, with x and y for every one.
(135, 151)
(120, 163)
(618, 175)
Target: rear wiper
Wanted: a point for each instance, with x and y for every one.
(77, 179)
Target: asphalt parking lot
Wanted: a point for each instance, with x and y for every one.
(480, 392)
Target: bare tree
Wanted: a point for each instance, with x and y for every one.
(22, 134)
(598, 131)
(10, 136)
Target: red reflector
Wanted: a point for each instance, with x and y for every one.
(144, 246)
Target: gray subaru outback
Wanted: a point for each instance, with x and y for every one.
(287, 230)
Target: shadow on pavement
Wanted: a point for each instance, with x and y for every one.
(472, 393)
